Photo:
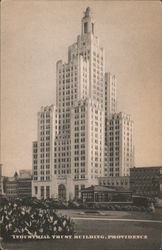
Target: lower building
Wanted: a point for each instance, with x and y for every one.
(146, 181)
(12, 186)
(19, 186)
(116, 181)
(25, 183)
(96, 193)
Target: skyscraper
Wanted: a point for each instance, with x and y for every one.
(70, 151)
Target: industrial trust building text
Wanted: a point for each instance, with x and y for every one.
(83, 137)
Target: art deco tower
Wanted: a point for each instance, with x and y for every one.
(80, 103)
(76, 136)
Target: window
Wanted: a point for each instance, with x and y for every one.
(93, 28)
(47, 191)
(85, 27)
(36, 190)
(82, 187)
(42, 192)
(76, 191)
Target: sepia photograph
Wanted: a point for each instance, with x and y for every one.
(81, 125)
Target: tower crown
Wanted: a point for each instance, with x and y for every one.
(87, 12)
(87, 22)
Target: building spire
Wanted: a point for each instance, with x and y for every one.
(87, 22)
(87, 12)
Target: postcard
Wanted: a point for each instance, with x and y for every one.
(81, 125)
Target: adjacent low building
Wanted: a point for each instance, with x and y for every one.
(12, 186)
(95, 194)
(19, 185)
(146, 181)
(25, 184)
(119, 181)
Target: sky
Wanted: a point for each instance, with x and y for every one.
(36, 34)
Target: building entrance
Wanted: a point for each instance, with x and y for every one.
(62, 192)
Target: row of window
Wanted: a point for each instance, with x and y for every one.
(67, 171)
(42, 121)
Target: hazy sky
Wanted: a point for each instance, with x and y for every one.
(35, 34)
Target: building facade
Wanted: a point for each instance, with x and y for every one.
(69, 153)
(115, 181)
(25, 183)
(120, 149)
(12, 186)
(100, 194)
(43, 152)
(19, 186)
(110, 108)
(110, 95)
(146, 181)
